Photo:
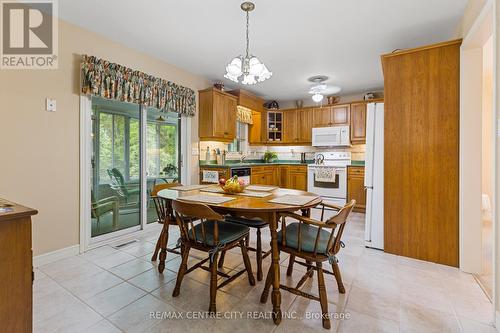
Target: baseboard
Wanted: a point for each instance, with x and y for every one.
(50, 257)
(497, 321)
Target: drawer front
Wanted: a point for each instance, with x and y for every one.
(356, 171)
(301, 168)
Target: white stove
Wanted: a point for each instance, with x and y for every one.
(327, 177)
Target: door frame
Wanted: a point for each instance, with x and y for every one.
(85, 241)
(470, 214)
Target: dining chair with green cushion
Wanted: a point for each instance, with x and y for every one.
(314, 241)
(100, 207)
(258, 224)
(118, 184)
(211, 234)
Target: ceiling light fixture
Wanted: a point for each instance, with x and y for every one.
(319, 88)
(247, 69)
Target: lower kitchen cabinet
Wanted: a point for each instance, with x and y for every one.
(293, 176)
(265, 175)
(356, 187)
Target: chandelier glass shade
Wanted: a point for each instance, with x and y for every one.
(247, 69)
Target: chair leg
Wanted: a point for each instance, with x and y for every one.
(259, 255)
(221, 259)
(338, 277)
(163, 248)
(157, 247)
(291, 261)
(267, 285)
(311, 273)
(213, 283)
(182, 271)
(246, 261)
(322, 296)
(247, 240)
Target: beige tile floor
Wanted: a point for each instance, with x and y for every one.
(110, 290)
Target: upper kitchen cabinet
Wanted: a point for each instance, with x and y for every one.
(358, 123)
(305, 124)
(248, 100)
(297, 125)
(217, 120)
(332, 115)
(290, 125)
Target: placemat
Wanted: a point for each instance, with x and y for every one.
(188, 187)
(261, 188)
(245, 193)
(206, 198)
(294, 200)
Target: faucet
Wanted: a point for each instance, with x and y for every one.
(242, 157)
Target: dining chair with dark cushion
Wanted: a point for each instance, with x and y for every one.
(315, 242)
(166, 217)
(211, 234)
(258, 224)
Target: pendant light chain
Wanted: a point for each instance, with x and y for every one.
(248, 39)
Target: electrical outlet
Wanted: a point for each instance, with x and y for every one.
(50, 104)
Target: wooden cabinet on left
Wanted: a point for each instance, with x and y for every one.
(217, 120)
(16, 268)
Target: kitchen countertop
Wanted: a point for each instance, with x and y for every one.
(251, 163)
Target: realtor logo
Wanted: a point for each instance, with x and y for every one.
(29, 34)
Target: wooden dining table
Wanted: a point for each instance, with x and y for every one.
(257, 207)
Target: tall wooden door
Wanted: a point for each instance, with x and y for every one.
(358, 123)
(421, 136)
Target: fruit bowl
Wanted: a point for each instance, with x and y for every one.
(232, 185)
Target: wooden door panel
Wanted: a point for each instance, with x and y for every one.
(290, 126)
(304, 125)
(219, 107)
(322, 117)
(358, 123)
(230, 118)
(298, 180)
(421, 153)
(340, 114)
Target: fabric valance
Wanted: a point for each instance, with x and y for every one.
(109, 80)
(244, 115)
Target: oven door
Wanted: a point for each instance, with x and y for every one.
(337, 189)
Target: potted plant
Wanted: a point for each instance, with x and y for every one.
(170, 171)
(270, 156)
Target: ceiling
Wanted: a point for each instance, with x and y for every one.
(342, 39)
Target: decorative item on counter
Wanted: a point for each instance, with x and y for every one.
(223, 158)
(219, 85)
(299, 103)
(272, 105)
(218, 156)
(207, 155)
(302, 157)
(333, 99)
(368, 96)
(269, 156)
(232, 185)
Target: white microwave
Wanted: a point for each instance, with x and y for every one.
(335, 136)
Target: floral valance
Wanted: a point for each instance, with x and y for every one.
(106, 79)
(244, 115)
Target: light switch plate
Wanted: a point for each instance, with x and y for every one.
(50, 104)
(195, 152)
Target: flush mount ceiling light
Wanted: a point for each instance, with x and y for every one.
(319, 88)
(247, 69)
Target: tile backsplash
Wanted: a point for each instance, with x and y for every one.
(284, 152)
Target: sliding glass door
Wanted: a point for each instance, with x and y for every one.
(133, 149)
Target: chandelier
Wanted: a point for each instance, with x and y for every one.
(247, 69)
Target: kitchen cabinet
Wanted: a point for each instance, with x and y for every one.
(358, 123)
(223, 173)
(356, 187)
(297, 177)
(16, 270)
(335, 115)
(217, 117)
(293, 176)
(255, 131)
(421, 127)
(265, 175)
(290, 125)
(274, 127)
(305, 125)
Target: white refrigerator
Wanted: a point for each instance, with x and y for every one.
(374, 176)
